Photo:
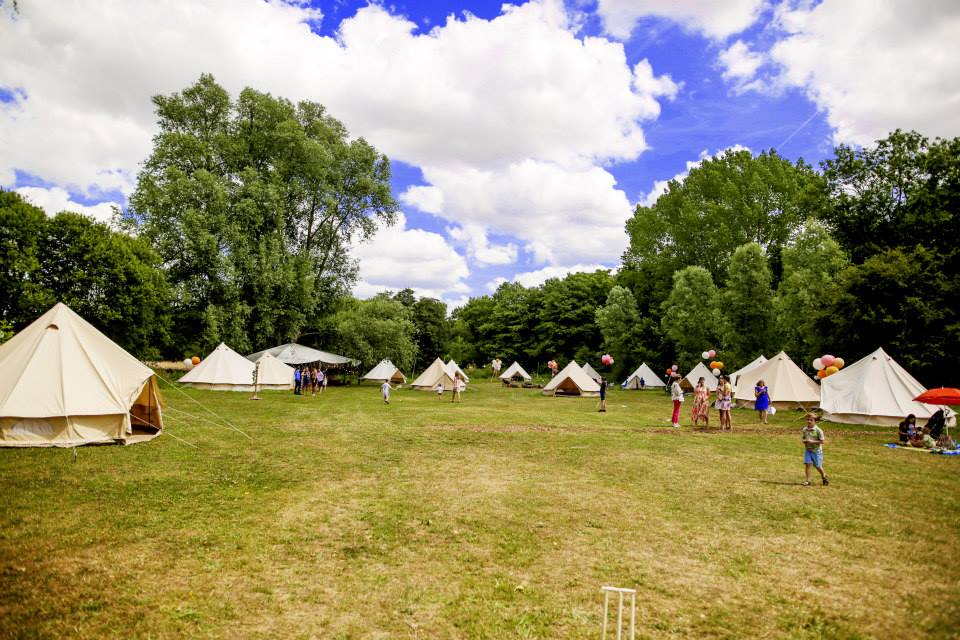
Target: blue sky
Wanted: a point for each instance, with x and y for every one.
(522, 136)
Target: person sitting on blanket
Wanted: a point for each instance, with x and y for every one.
(923, 440)
(907, 429)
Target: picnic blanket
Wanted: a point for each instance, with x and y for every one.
(942, 452)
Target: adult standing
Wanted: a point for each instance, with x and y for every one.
(297, 381)
(701, 403)
(643, 383)
(725, 403)
(321, 380)
(457, 380)
(676, 394)
(762, 402)
(495, 365)
(603, 394)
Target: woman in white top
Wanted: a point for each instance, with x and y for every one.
(676, 394)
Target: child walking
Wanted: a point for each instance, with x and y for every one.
(812, 437)
(385, 391)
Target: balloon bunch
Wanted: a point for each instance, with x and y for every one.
(606, 359)
(552, 365)
(672, 370)
(716, 365)
(190, 363)
(827, 365)
(706, 355)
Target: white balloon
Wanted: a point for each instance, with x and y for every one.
(705, 355)
(188, 363)
(716, 373)
(818, 364)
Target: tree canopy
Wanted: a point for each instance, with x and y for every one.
(252, 205)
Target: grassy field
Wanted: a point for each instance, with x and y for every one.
(500, 517)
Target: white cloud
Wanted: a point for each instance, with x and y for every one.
(563, 216)
(538, 277)
(740, 65)
(517, 101)
(54, 200)
(474, 237)
(875, 66)
(399, 257)
(715, 19)
(660, 186)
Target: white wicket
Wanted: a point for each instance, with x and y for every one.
(633, 609)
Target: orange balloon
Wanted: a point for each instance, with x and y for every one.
(822, 373)
(195, 360)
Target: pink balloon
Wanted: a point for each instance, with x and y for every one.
(712, 353)
(674, 367)
(827, 360)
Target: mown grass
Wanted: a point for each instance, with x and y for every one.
(500, 517)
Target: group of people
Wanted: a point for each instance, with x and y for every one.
(723, 402)
(306, 378)
(932, 435)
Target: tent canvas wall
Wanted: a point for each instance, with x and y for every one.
(700, 371)
(453, 368)
(436, 373)
(572, 381)
(295, 354)
(789, 387)
(223, 370)
(735, 376)
(873, 390)
(590, 371)
(274, 374)
(650, 379)
(515, 372)
(64, 384)
(384, 371)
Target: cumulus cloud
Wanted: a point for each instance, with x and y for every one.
(740, 65)
(400, 257)
(716, 20)
(660, 186)
(563, 216)
(516, 101)
(874, 67)
(538, 277)
(54, 200)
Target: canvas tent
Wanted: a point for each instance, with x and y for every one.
(385, 371)
(590, 371)
(64, 384)
(223, 370)
(650, 379)
(296, 354)
(436, 373)
(515, 372)
(873, 390)
(572, 381)
(689, 381)
(788, 385)
(273, 374)
(735, 376)
(453, 367)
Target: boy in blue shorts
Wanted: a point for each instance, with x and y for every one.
(812, 437)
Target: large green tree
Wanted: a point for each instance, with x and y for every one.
(252, 205)
(692, 319)
(623, 330)
(894, 210)
(747, 302)
(722, 204)
(111, 279)
(375, 329)
(810, 283)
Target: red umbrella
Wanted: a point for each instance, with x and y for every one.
(943, 395)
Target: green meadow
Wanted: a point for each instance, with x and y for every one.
(500, 517)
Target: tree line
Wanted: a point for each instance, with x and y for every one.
(240, 226)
